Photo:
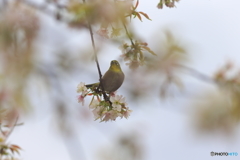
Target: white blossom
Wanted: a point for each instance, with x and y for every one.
(81, 88)
(94, 104)
(117, 102)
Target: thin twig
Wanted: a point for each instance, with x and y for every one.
(198, 74)
(126, 30)
(11, 129)
(96, 59)
(129, 36)
(19, 124)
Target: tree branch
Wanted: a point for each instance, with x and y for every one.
(128, 33)
(96, 58)
(198, 74)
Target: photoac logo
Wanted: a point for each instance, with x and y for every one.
(223, 153)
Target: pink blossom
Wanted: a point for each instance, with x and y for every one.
(81, 99)
(103, 32)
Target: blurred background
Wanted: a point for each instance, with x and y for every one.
(185, 100)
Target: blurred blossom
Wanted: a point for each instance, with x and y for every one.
(229, 83)
(127, 146)
(133, 64)
(19, 26)
(168, 3)
(214, 114)
(171, 56)
(221, 109)
(160, 5)
(103, 32)
(115, 32)
(161, 72)
(134, 53)
(18, 18)
(99, 12)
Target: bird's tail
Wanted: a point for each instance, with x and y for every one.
(92, 85)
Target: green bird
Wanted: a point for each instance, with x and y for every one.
(112, 79)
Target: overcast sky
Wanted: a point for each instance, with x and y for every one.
(210, 29)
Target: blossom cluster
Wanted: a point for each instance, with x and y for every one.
(134, 53)
(81, 88)
(102, 109)
(168, 3)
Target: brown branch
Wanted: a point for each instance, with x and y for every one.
(43, 9)
(96, 59)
